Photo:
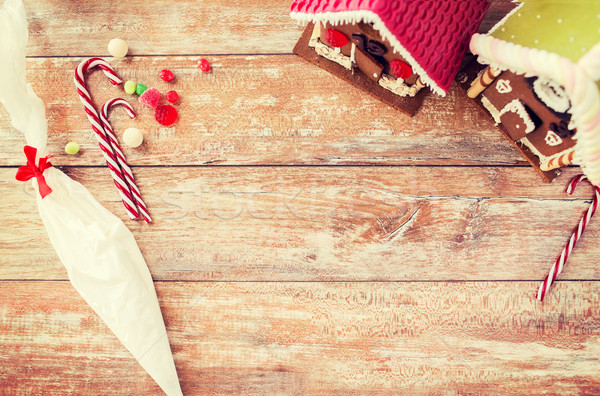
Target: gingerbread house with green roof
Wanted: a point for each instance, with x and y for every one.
(536, 74)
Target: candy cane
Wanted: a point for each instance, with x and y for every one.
(94, 119)
(562, 259)
(137, 196)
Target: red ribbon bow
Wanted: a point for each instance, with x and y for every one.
(28, 171)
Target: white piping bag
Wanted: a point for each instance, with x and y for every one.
(101, 256)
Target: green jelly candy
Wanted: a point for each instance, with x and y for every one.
(72, 148)
(140, 88)
(130, 87)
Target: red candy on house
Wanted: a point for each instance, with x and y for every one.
(165, 115)
(401, 69)
(166, 75)
(172, 96)
(335, 38)
(204, 65)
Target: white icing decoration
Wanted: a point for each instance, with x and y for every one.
(551, 94)
(503, 86)
(397, 85)
(533, 149)
(491, 109)
(334, 56)
(327, 52)
(552, 139)
(517, 107)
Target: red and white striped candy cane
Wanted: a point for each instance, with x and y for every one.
(93, 117)
(137, 196)
(562, 259)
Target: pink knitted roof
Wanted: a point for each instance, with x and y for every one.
(432, 35)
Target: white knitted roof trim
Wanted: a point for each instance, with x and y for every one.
(343, 17)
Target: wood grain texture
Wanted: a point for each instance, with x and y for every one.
(76, 28)
(314, 338)
(314, 223)
(341, 278)
(260, 110)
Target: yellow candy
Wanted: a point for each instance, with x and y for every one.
(72, 148)
(129, 87)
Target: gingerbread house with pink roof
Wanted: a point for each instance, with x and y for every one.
(393, 49)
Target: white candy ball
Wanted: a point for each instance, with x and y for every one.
(133, 137)
(118, 48)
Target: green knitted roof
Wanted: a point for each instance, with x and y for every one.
(569, 28)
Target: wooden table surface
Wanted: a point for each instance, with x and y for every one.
(307, 238)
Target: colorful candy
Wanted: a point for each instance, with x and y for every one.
(140, 88)
(172, 96)
(166, 75)
(335, 38)
(118, 48)
(129, 87)
(133, 137)
(401, 69)
(165, 115)
(150, 98)
(72, 148)
(204, 65)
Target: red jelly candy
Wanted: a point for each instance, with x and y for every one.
(204, 65)
(165, 115)
(166, 75)
(401, 69)
(150, 98)
(172, 96)
(335, 38)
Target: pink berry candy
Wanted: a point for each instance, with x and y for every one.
(165, 115)
(150, 97)
(166, 75)
(204, 65)
(172, 96)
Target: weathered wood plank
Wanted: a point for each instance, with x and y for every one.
(59, 28)
(314, 338)
(261, 110)
(323, 223)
